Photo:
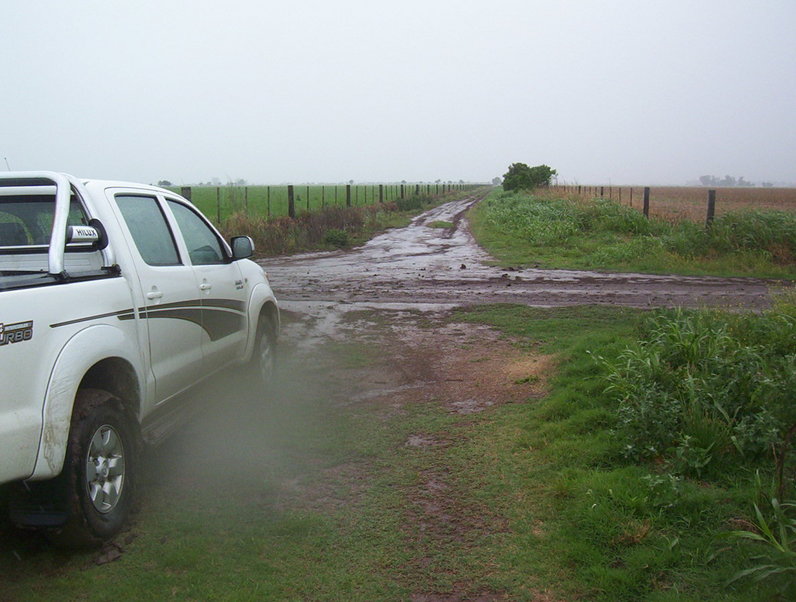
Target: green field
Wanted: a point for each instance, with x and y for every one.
(220, 202)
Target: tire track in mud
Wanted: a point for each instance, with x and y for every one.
(423, 264)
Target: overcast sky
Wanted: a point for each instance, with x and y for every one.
(623, 91)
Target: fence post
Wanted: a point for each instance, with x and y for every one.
(218, 205)
(308, 198)
(291, 204)
(185, 192)
(381, 193)
(348, 195)
(268, 201)
(323, 196)
(417, 189)
(402, 191)
(646, 201)
(631, 196)
(602, 191)
(711, 208)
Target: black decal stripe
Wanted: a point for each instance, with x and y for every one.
(189, 314)
(220, 323)
(217, 323)
(225, 303)
(96, 317)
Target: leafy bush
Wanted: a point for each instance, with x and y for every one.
(520, 176)
(336, 238)
(702, 388)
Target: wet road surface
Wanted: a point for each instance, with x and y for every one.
(421, 264)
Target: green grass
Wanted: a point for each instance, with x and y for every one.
(272, 201)
(519, 229)
(586, 520)
(542, 499)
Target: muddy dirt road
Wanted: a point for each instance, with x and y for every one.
(431, 265)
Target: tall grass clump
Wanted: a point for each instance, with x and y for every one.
(604, 234)
(704, 390)
(308, 230)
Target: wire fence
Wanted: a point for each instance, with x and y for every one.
(692, 203)
(220, 202)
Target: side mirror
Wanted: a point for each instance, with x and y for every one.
(242, 247)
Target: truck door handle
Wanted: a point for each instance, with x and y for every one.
(152, 295)
(205, 286)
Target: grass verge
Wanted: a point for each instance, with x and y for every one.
(700, 517)
(520, 229)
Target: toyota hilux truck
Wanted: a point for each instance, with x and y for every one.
(116, 299)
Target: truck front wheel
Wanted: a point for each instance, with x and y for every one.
(264, 358)
(99, 470)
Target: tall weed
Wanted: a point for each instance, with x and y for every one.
(703, 388)
(752, 238)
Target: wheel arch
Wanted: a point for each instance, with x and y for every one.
(262, 303)
(101, 357)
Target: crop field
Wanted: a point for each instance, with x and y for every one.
(220, 202)
(687, 203)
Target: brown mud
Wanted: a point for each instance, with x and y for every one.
(421, 264)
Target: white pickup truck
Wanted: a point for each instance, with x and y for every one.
(115, 299)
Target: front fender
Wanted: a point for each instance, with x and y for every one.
(261, 295)
(85, 349)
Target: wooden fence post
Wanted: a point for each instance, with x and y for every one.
(268, 201)
(291, 204)
(381, 193)
(348, 195)
(631, 196)
(218, 205)
(711, 208)
(185, 192)
(323, 196)
(308, 198)
(646, 201)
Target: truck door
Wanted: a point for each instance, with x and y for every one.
(171, 308)
(223, 291)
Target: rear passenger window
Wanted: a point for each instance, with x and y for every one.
(149, 229)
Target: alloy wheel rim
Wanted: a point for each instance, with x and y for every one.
(105, 469)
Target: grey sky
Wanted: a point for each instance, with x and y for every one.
(628, 92)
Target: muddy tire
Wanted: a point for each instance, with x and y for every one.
(262, 367)
(98, 479)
